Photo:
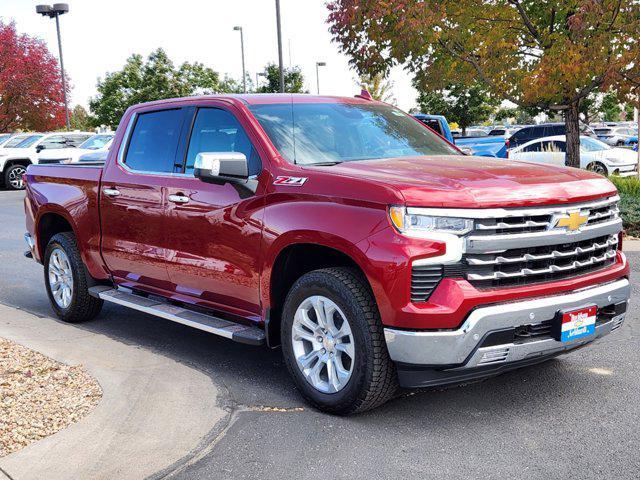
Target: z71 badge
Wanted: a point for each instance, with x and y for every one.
(290, 181)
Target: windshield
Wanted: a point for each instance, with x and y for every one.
(588, 144)
(30, 140)
(96, 142)
(317, 133)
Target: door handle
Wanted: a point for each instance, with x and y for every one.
(178, 198)
(111, 192)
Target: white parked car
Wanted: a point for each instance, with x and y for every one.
(15, 158)
(615, 135)
(595, 155)
(99, 142)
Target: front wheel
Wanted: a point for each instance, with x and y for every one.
(333, 342)
(66, 281)
(13, 177)
(598, 167)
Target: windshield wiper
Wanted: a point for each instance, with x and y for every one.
(325, 164)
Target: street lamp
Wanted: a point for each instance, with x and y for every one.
(54, 12)
(244, 75)
(319, 64)
(258, 75)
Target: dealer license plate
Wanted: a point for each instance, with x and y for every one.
(576, 324)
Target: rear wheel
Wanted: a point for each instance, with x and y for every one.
(13, 177)
(598, 167)
(66, 281)
(333, 342)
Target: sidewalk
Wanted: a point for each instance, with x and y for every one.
(153, 412)
(631, 245)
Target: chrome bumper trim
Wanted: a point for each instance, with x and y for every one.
(454, 347)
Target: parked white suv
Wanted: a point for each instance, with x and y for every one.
(615, 136)
(96, 143)
(16, 157)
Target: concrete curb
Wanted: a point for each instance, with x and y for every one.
(154, 411)
(631, 245)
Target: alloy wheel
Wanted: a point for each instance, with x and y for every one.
(15, 177)
(60, 278)
(323, 344)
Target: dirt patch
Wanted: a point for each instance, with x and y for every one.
(39, 396)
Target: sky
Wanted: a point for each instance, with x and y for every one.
(99, 35)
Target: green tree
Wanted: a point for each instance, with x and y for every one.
(378, 86)
(610, 108)
(460, 104)
(155, 78)
(80, 119)
(548, 55)
(293, 80)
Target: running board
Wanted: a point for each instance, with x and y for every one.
(160, 308)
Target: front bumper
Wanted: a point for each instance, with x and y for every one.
(473, 346)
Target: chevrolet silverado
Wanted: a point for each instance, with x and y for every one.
(341, 229)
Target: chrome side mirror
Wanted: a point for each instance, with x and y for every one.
(221, 166)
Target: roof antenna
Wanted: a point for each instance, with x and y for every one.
(365, 95)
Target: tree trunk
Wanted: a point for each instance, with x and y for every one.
(572, 124)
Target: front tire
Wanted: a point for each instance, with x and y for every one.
(66, 281)
(598, 167)
(13, 177)
(338, 357)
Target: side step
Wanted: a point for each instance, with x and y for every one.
(159, 308)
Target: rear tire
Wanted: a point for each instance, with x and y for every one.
(66, 281)
(372, 378)
(13, 177)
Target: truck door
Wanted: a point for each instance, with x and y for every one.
(215, 229)
(132, 198)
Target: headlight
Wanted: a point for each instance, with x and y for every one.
(616, 160)
(414, 224)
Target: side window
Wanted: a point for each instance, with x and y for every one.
(559, 147)
(216, 130)
(534, 147)
(52, 143)
(154, 141)
(75, 140)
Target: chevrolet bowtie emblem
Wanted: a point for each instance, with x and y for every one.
(573, 222)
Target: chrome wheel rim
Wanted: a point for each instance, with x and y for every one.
(60, 278)
(15, 177)
(323, 344)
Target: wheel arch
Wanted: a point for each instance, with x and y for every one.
(294, 259)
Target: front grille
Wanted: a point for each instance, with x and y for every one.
(424, 280)
(523, 266)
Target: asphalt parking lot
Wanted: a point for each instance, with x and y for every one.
(573, 417)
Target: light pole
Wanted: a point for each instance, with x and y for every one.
(244, 74)
(280, 46)
(319, 64)
(258, 75)
(54, 12)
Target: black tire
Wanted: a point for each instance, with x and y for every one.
(373, 379)
(83, 307)
(598, 167)
(9, 177)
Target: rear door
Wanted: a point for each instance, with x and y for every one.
(215, 229)
(133, 198)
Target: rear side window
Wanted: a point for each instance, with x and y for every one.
(433, 125)
(521, 136)
(217, 131)
(534, 147)
(154, 141)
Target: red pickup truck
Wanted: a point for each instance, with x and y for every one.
(341, 229)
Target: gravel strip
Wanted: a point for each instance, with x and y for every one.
(39, 396)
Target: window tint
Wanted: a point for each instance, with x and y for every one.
(154, 140)
(534, 147)
(433, 125)
(217, 130)
(75, 140)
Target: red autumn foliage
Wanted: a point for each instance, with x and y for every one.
(31, 96)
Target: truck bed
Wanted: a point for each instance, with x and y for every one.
(73, 192)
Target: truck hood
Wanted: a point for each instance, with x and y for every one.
(474, 182)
